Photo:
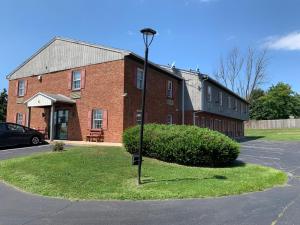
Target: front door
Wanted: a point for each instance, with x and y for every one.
(61, 118)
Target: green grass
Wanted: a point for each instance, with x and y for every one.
(106, 173)
(274, 134)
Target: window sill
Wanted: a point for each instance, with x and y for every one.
(76, 90)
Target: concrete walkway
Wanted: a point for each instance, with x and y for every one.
(276, 206)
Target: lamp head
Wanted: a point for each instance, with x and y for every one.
(148, 35)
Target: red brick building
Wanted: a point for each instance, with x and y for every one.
(83, 87)
(69, 88)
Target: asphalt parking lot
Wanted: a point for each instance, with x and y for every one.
(277, 206)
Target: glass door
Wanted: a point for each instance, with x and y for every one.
(61, 118)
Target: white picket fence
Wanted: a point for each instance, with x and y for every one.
(273, 124)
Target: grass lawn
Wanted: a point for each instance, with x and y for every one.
(106, 173)
(274, 134)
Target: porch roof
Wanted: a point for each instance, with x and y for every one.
(46, 99)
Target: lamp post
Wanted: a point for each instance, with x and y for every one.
(148, 35)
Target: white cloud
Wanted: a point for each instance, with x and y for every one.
(130, 33)
(289, 42)
(188, 2)
(230, 37)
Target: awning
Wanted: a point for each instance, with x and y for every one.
(46, 99)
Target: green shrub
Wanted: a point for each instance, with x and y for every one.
(58, 146)
(182, 144)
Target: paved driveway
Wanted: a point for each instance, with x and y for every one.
(277, 206)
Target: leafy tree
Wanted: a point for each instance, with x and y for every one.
(279, 102)
(3, 105)
(256, 94)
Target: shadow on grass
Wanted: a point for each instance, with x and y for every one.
(249, 138)
(151, 180)
(236, 163)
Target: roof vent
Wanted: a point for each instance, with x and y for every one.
(173, 65)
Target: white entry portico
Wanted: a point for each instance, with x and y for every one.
(41, 100)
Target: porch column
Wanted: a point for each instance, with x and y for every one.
(52, 123)
(28, 116)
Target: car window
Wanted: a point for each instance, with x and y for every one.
(3, 127)
(15, 127)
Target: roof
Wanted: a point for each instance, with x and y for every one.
(53, 97)
(204, 76)
(120, 52)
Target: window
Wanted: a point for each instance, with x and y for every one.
(19, 118)
(139, 78)
(235, 105)
(138, 117)
(21, 88)
(170, 89)
(221, 98)
(76, 79)
(15, 127)
(170, 119)
(209, 94)
(97, 121)
(229, 102)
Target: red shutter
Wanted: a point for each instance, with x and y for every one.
(70, 80)
(166, 88)
(134, 75)
(16, 87)
(173, 89)
(82, 79)
(24, 119)
(146, 118)
(134, 118)
(104, 119)
(90, 119)
(25, 87)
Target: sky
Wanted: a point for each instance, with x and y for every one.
(191, 33)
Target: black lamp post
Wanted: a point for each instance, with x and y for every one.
(148, 35)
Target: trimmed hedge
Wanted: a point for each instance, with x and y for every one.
(182, 144)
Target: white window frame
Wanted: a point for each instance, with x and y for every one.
(170, 89)
(19, 118)
(75, 80)
(139, 78)
(169, 119)
(221, 98)
(138, 117)
(94, 119)
(209, 93)
(21, 87)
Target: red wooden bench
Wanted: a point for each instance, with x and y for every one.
(96, 135)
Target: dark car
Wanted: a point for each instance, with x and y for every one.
(12, 134)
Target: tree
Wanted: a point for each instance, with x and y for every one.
(243, 74)
(279, 102)
(3, 105)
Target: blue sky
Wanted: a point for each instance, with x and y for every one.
(190, 32)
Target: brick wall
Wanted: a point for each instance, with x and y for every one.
(229, 126)
(158, 106)
(104, 87)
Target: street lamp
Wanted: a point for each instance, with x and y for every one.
(148, 35)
